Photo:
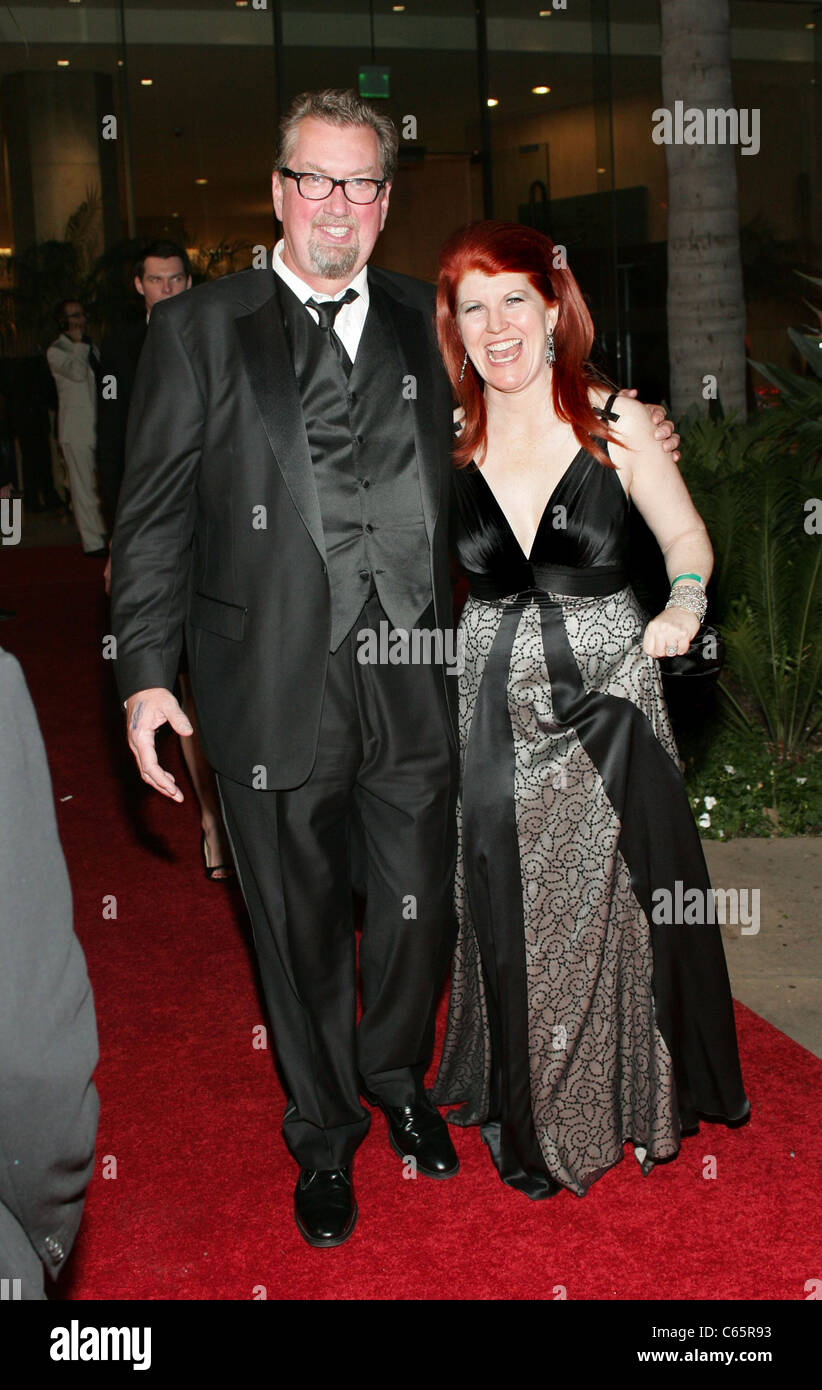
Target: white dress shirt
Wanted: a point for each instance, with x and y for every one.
(350, 320)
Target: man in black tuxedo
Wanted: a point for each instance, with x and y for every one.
(286, 490)
(162, 270)
(287, 486)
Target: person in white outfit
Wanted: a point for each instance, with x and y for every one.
(71, 359)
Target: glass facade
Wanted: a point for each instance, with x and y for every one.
(123, 122)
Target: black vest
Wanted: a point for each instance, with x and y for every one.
(361, 437)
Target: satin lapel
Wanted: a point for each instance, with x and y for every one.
(271, 374)
(415, 353)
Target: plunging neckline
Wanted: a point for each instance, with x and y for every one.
(511, 531)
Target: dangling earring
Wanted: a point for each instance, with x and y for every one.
(550, 354)
(464, 361)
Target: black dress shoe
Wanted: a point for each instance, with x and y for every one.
(324, 1206)
(418, 1131)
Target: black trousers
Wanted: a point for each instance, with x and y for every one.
(384, 786)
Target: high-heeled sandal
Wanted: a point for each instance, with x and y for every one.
(212, 870)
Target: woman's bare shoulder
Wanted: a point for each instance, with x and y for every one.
(598, 394)
(633, 425)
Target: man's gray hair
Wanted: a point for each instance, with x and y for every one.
(341, 108)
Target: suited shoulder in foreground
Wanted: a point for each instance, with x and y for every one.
(48, 1036)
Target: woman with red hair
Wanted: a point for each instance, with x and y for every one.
(581, 1015)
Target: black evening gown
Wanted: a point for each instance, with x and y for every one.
(575, 1022)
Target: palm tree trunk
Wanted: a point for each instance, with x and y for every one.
(706, 302)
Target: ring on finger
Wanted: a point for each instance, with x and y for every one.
(670, 651)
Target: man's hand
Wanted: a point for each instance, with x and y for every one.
(146, 711)
(664, 429)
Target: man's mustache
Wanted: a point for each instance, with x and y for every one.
(335, 222)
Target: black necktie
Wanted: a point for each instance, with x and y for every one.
(327, 310)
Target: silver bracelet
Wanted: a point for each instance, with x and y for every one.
(690, 597)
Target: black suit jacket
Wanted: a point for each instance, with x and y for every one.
(119, 356)
(219, 526)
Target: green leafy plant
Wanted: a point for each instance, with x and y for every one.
(752, 482)
(38, 279)
(34, 281)
(808, 341)
(736, 788)
(212, 262)
(83, 231)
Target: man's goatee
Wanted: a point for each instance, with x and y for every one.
(333, 264)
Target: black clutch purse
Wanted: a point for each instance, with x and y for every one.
(696, 672)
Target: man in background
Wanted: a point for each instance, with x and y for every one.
(32, 395)
(162, 271)
(72, 359)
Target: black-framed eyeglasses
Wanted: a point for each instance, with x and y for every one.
(315, 187)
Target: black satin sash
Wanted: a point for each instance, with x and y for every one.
(574, 581)
(658, 842)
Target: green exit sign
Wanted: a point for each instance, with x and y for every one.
(374, 81)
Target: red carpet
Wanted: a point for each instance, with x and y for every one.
(200, 1206)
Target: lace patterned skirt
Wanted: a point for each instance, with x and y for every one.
(575, 1023)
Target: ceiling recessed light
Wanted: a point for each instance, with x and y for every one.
(120, 62)
(492, 101)
(812, 25)
(201, 181)
(241, 4)
(62, 62)
(540, 91)
(602, 171)
(545, 14)
(146, 81)
(398, 9)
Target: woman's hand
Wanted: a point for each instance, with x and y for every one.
(670, 633)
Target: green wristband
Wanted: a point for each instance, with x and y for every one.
(697, 577)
